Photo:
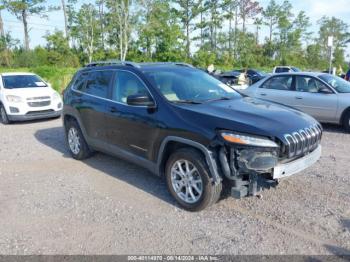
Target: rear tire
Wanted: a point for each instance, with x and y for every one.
(189, 182)
(346, 121)
(76, 142)
(3, 115)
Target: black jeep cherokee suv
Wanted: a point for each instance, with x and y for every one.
(186, 126)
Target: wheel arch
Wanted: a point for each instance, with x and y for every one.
(346, 110)
(2, 104)
(67, 118)
(172, 143)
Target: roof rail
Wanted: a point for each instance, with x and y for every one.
(112, 62)
(167, 63)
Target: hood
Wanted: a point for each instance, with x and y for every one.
(30, 92)
(248, 115)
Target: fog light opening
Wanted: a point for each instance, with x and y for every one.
(14, 109)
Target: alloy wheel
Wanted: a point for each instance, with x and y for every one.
(74, 140)
(186, 181)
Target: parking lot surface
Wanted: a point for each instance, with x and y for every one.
(52, 204)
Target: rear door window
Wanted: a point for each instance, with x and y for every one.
(284, 83)
(98, 83)
(80, 82)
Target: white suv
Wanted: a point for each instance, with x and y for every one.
(25, 96)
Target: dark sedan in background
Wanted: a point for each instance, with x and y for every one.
(231, 77)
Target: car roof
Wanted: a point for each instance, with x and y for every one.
(165, 64)
(104, 65)
(314, 74)
(141, 67)
(16, 74)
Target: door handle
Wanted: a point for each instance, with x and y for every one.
(113, 109)
(298, 97)
(263, 94)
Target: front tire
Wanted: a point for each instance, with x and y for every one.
(76, 142)
(189, 182)
(346, 121)
(4, 118)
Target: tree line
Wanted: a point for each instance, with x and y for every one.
(227, 33)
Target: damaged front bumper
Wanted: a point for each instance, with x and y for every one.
(294, 167)
(251, 170)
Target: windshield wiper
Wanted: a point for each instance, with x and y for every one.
(187, 102)
(218, 99)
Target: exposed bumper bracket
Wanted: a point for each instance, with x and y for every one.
(252, 187)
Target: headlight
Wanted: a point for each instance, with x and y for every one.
(56, 96)
(248, 140)
(14, 99)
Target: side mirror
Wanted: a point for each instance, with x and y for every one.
(325, 90)
(140, 100)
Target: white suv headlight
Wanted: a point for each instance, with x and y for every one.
(56, 96)
(248, 140)
(14, 99)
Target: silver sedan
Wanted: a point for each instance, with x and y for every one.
(323, 96)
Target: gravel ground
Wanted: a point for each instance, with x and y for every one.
(52, 204)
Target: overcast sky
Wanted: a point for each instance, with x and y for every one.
(315, 9)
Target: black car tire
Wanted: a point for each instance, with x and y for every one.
(210, 192)
(84, 151)
(3, 115)
(346, 121)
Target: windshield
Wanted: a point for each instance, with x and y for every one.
(184, 85)
(336, 82)
(22, 81)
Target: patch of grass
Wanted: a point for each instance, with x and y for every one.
(58, 77)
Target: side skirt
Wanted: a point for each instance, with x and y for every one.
(123, 154)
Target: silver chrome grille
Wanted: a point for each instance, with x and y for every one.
(303, 141)
(39, 104)
(39, 101)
